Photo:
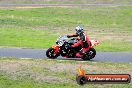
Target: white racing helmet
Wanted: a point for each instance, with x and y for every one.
(79, 30)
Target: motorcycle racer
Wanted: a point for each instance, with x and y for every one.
(83, 41)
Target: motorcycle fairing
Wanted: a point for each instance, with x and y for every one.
(56, 48)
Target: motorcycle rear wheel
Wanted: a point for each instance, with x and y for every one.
(90, 54)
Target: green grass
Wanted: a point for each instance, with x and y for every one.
(18, 73)
(39, 28)
(7, 82)
(25, 38)
(113, 46)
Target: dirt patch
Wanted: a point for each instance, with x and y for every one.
(110, 34)
(26, 69)
(41, 71)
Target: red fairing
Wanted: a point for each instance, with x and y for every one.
(56, 48)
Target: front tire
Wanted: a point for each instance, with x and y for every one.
(50, 53)
(90, 54)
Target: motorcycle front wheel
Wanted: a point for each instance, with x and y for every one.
(51, 54)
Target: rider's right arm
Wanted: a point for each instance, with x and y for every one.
(72, 35)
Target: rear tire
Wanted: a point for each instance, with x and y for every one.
(90, 54)
(50, 53)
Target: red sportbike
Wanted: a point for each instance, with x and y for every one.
(62, 48)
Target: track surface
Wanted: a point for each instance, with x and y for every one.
(40, 54)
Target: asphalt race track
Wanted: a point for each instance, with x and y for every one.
(40, 54)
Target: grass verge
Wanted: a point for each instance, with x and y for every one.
(18, 73)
